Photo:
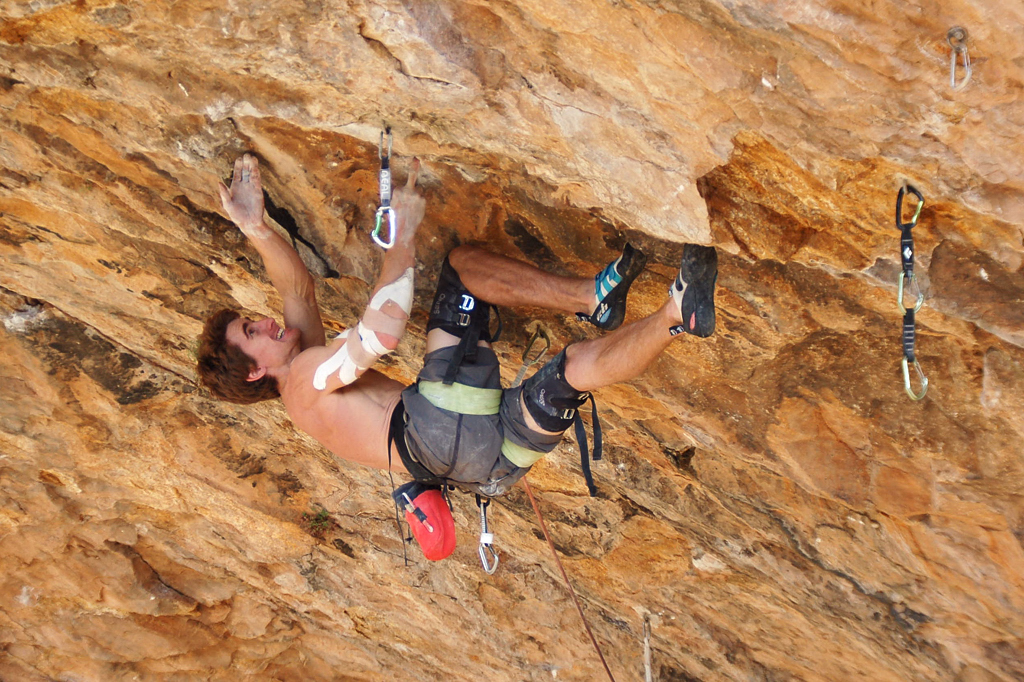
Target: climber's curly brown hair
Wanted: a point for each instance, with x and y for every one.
(224, 368)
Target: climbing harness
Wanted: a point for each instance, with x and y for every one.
(488, 557)
(906, 280)
(464, 399)
(385, 195)
(957, 39)
(459, 313)
(572, 592)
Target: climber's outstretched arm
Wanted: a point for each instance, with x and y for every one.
(383, 321)
(409, 206)
(243, 203)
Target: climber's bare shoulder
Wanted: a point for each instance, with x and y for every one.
(351, 421)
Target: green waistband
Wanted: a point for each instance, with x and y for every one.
(461, 398)
(520, 456)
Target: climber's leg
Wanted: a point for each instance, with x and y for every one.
(508, 282)
(627, 352)
(622, 355)
(503, 281)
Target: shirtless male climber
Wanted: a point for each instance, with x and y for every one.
(455, 424)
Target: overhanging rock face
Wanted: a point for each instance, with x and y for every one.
(771, 500)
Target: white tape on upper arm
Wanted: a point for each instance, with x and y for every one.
(335, 363)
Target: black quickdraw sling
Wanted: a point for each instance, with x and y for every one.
(907, 279)
(385, 210)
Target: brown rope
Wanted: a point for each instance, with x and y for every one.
(572, 592)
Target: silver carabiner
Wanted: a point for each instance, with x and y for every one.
(385, 195)
(957, 39)
(490, 565)
(392, 230)
(483, 550)
(920, 376)
(899, 294)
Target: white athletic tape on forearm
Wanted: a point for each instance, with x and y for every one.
(362, 348)
(399, 291)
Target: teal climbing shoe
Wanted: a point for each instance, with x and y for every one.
(611, 286)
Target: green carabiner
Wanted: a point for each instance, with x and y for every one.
(392, 230)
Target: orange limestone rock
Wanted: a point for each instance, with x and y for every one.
(770, 499)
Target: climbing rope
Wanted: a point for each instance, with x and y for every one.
(385, 195)
(908, 280)
(957, 39)
(572, 592)
(539, 333)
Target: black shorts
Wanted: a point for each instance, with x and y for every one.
(467, 449)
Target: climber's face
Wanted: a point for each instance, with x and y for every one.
(267, 343)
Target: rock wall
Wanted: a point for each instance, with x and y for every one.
(771, 501)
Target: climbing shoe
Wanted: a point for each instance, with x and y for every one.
(610, 288)
(694, 290)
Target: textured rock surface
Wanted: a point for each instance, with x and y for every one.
(771, 499)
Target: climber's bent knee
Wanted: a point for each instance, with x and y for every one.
(550, 399)
(457, 311)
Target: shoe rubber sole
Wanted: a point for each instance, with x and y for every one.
(698, 272)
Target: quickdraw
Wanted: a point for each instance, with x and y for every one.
(385, 195)
(907, 280)
(488, 557)
(539, 334)
(957, 39)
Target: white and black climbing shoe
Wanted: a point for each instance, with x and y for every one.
(611, 286)
(694, 290)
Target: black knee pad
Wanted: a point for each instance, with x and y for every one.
(551, 401)
(457, 311)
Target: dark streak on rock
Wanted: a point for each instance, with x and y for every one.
(284, 218)
(344, 548)
(532, 247)
(147, 577)
(143, 160)
(907, 618)
(7, 84)
(70, 347)
(681, 459)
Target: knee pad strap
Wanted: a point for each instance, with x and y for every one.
(550, 399)
(457, 311)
